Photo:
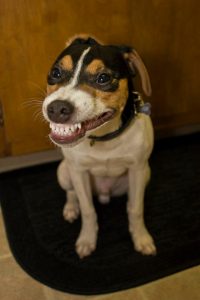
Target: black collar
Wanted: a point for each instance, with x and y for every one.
(133, 106)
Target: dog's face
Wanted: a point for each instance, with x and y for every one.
(88, 86)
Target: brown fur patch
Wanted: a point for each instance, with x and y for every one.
(95, 66)
(67, 63)
(52, 88)
(116, 100)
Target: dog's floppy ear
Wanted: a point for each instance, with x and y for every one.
(135, 62)
(82, 39)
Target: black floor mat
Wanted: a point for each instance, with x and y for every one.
(43, 243)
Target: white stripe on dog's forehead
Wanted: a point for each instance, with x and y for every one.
(69, 90)
(79, 65)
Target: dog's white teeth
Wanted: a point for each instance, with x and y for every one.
(64, 129)
(52, 126)
(69, 132)
(72, 128)
(78, 125)
(61, 130)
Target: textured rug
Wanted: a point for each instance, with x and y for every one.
(43, 243)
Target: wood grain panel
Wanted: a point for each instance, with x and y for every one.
(32, 35)
(2, 143)
(165, 33)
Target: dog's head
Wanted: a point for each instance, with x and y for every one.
(88, 86)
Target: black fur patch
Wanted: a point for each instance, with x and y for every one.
(91, 80)
(111, 56)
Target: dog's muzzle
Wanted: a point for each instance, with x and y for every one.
(69, 133)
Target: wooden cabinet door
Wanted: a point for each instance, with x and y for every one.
(32, 34)
(165, 33)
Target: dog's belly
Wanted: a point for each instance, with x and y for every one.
(114, 186)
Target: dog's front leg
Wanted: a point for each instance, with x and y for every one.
(138, 178)
(86, 242)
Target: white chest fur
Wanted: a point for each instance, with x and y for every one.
(114, 157)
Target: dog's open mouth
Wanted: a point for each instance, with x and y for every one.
(70, 133)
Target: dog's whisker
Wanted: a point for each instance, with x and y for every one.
(34, 99)
(38, 115)
(40, 89)
(35, 115)
(31, 103)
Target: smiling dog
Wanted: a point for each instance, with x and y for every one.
(98, 120)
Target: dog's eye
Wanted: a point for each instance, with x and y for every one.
(103, 78)
(55, 76)
(56, 73)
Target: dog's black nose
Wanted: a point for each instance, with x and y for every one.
(59, 111)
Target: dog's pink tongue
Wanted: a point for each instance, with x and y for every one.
(91, 124)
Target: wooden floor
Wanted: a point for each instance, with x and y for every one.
(15, 284)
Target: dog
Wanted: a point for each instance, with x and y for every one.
(100, 123)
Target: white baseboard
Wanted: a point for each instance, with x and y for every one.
(17, 162)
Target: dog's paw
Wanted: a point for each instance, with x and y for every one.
(85, 246)
(144, 243)
(71, 212)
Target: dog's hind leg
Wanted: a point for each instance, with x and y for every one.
(71, 209)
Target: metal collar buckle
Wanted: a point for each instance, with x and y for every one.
(140, 106)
